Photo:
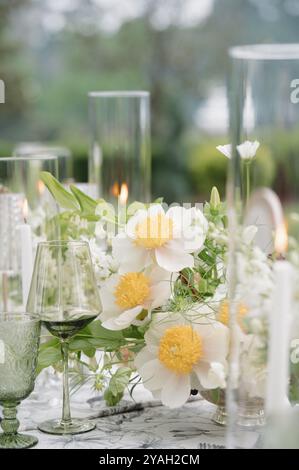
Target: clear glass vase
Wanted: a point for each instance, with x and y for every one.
(120, 155)
(28, 215)
(63, 154)
(263, 208)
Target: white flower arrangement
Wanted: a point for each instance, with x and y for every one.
(162, 281)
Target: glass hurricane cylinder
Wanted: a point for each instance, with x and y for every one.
(263, 193)
(63, 154)
(120, 156)
(27, 215)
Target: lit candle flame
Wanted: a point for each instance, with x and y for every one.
(281, 239)
(115, 189)
(41, 187)
(25, 209)
(124, 193)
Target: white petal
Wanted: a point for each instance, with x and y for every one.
(161, 284)
(108, 298)
(137, 218)
(248, 149)
(180, 218)
(225, 150)
(144, 356)
(195, 233)
(160, 323)
(159, 294)
(124, 320)
(215, 337)
(155, 209)
(153, 374)
(194, 239)
(172, 256)
(131, 257)
(157, 274)
(176, 390)
(211, 375)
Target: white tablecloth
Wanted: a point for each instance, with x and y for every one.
(143, 424)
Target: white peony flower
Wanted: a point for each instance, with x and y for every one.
(178, 353)
(248, 149)
(128, 299)
(166, 238)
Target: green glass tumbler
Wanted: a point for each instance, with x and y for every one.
(19, 343)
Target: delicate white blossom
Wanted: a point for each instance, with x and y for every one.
(179, 353)
(165, 238)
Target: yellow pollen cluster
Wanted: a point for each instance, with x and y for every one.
(132, 290)
(154, 231)
(223, 313)
(180, 349)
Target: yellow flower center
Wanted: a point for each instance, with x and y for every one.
(180, 349)
(223, 313)
(132, 290)
(154, 231)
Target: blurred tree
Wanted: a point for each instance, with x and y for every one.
(53, 52)
(11, 69)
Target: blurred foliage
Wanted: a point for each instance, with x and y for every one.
(49, 69)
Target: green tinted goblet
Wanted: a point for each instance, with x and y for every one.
(19, 342)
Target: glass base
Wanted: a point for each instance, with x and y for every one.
(220, 416)
(77, 426)
(17, 441)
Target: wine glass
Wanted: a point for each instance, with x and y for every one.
(19, 342)
(64, 294)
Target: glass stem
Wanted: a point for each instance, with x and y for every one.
(247, 166)
(10, 423)
(66, 411)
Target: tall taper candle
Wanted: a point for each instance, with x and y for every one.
(279, 331)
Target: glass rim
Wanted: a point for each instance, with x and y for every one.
(40, 151)
(64, 243)
(267, 51)
(29, 158)
(119, 94)
(7, 316)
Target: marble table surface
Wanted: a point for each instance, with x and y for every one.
(143, 424)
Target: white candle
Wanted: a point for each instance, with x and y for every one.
(279, 331)
(26, 255)
(26, 259)
(122, 205)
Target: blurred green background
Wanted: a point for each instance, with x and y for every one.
(52, 52)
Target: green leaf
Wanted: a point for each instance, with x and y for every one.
(101, 338)
(119, 381)
(87, 204)
(132, 332)
(96, 330)
(110, 399)
(63, 197)
(82, 344)
(48, 356)
(159, 200)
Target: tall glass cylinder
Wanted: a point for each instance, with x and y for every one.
(27, 215)
(63, 154)
(263, 194)
(120, 156)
